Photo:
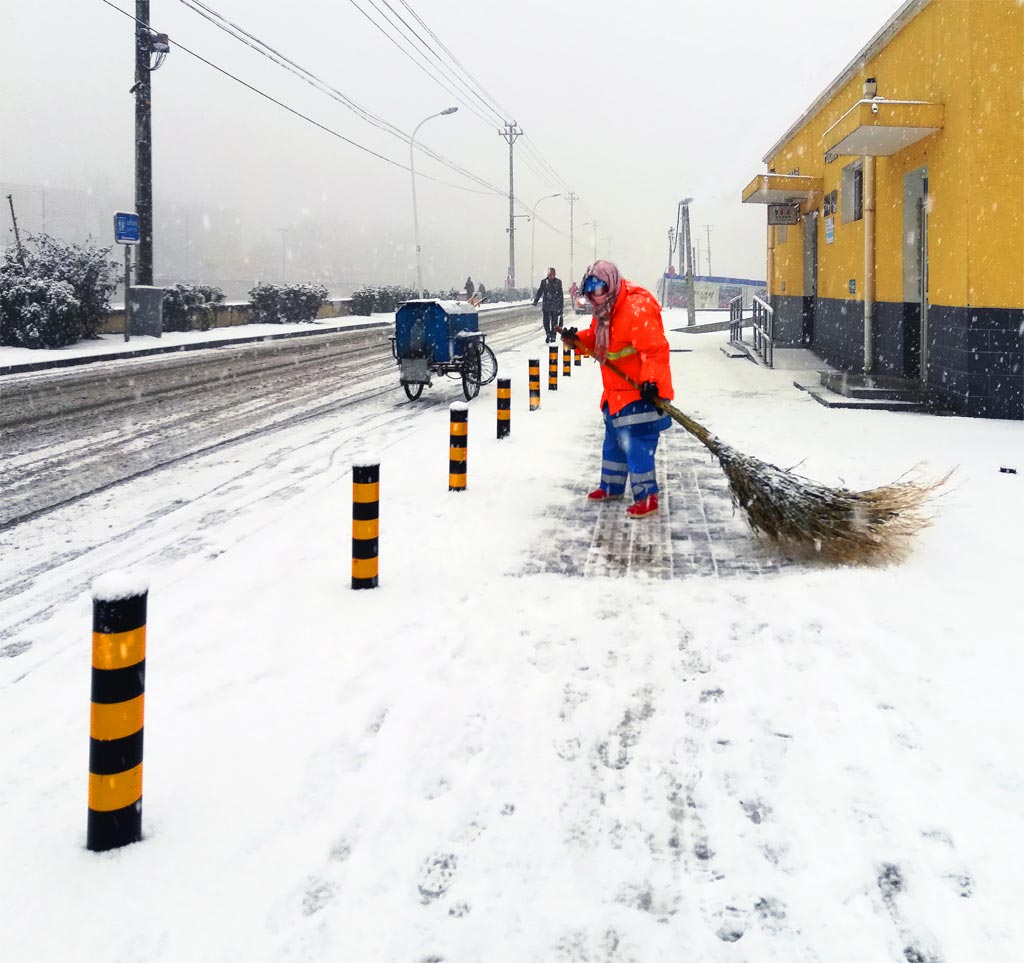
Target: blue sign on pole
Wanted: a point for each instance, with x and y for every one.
(126, 228)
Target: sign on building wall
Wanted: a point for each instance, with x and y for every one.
(830, 230)
(783, 214)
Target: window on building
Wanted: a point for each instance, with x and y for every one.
(852, 193)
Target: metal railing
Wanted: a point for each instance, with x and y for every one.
(764, 330)
(736, 318)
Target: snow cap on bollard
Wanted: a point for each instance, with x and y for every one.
(119, 584)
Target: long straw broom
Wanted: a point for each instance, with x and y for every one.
(803, 516)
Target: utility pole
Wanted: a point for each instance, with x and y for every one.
(572, 197)
(510, 133)
(671, 247)
(685, 245)
(707, 227)
(143, 144)
(147, 43)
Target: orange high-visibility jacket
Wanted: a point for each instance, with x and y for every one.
(636, 344)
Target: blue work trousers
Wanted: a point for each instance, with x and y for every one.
(630, 441)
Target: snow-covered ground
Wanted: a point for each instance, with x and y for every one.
(473, 764)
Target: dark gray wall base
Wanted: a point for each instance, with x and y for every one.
(975, 355)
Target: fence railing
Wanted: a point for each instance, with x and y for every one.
(764, 331)
(736, 318)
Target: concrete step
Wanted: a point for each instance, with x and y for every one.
(875, 388)
(831, 399)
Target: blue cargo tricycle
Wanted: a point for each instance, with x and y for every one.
(442, 338)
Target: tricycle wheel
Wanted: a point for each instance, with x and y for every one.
(471, 372)
(488, 365)
(413, 389)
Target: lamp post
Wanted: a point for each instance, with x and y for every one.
(412, 171)
(671, 246)
(533, 232)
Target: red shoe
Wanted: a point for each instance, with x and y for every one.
(600, 495)
(643, 507)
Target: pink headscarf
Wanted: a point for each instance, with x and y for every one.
(609, 273)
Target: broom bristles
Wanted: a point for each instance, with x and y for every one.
(808, 518)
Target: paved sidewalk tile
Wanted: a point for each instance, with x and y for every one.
(697, 530)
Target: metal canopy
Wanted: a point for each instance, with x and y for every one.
(781, 189)
(879, 128)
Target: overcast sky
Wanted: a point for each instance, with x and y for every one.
(632, 106)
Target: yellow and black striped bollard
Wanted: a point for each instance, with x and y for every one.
(534, 384)
(115, 720)
(553, 367)
(504, 407)
(566, 361)
(458, 442)
(365, 524)
(578, 360)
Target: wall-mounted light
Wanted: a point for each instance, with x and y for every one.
(870, 87)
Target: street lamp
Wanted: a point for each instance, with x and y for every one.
(412, 171)
(533, 231)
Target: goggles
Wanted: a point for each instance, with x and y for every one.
(594, 285)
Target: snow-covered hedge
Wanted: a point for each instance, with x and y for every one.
(53, 293)
(37, 312)
(378, 298)
(285, 303)
(189, 307)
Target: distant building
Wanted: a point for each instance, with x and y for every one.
(896, 232)
(710, 293)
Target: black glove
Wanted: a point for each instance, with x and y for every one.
(649, 391)
(569, 335)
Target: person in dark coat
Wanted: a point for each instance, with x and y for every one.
(469, 288)
(550, 291)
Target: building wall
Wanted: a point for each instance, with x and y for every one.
(967, 55)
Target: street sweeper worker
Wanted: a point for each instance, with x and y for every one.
(628, 331)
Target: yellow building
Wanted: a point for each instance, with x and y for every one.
(903, 189)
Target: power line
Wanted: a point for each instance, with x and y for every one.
(291, 110)
(275, 56)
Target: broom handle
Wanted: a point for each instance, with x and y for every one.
(694, 428)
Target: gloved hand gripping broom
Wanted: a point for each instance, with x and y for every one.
(801, 514)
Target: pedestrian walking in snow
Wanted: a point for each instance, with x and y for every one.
(627, 329)
(550, 291)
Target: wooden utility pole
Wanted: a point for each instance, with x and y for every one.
(143, 144)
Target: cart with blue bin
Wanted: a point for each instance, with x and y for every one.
(442, 338)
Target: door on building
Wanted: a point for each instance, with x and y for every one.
(810, 275)
(915, 274)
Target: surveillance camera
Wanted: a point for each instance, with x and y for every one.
(874, 108)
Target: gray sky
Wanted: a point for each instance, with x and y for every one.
(632, 105)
